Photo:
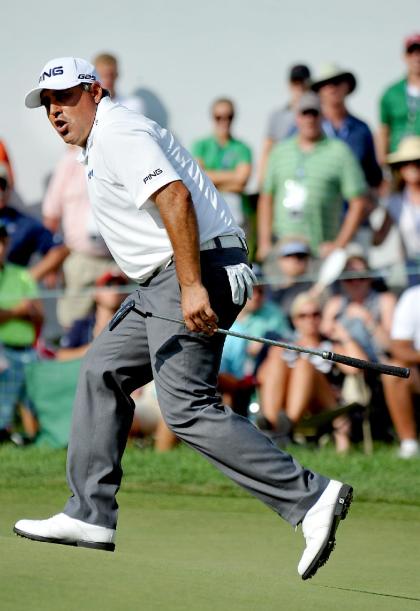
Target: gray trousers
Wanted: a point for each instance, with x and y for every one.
(184, 366)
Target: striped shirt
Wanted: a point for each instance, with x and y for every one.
(309, 188)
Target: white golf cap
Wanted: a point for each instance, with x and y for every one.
(61, 73)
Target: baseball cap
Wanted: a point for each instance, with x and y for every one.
(412, 40)
(111, 277)
(293, 247)
(61, 73)
(308, 101)
(299, 72)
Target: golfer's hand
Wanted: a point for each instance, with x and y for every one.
(197, 312)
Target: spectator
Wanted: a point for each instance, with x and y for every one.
(226, 160)
(293, 257)
(106, 66)
(281, 123)
(308, 178)
(333, 84)
(20, 317)
(363, 311)
(5, 161)
(76, 342)
(28, 236)
(400, 104)
(403, 205)
(400, 393)
(292, 383)
(66, 203)
(240, 359)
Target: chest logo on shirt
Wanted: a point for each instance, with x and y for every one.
(90, 174)
(152, 175)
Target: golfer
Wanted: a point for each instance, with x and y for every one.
(171, 232)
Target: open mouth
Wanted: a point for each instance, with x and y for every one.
(61, 126)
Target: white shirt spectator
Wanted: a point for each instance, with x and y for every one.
(406, 322)
(144, 157)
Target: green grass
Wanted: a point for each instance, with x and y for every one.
(188, 539)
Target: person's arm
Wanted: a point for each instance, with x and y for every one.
(354, 216)
(49, 262)
(233, 181)
(403, 350)
(51, 223)
(27, 309)
(68, 354)
(347, 346)
(178, 215)
(381, 233)
(382, 143)
(262, 168)
(264, 225)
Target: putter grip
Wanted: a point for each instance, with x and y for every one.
(391, 370)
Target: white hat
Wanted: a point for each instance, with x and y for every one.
(333, 72)
(61, 73)
(408, 150)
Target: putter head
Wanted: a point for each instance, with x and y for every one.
(121, 313)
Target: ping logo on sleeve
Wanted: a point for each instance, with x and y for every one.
(152, 175)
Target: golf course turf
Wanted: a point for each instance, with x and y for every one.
(188, 539)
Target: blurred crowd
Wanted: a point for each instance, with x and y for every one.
(331, 196)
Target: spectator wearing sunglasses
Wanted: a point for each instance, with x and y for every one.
(403, 204)
(365, 312)
(308, 178)
(400, 103)
(293, 383)
(226, 160)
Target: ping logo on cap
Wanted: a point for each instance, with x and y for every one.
(56, 71)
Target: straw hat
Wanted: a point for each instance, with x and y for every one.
(332, 72)
(408, 150)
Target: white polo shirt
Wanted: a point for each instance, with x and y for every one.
(128, 157)
(406, 321)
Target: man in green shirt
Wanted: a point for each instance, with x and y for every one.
(308, 178)
(227, 161)
(400, 104)
(20, 316)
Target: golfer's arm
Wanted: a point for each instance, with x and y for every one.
(352, 220)
(178, 215)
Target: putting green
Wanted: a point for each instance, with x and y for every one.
(178, 552)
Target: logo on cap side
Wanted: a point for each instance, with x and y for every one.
(56, 71)
(87, 77)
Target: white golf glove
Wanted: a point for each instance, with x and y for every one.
(241, 280)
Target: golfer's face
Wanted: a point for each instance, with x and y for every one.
(71, 112)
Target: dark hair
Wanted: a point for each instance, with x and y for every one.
(223, 101)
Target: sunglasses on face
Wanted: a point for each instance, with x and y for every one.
(302, 315)
(415, 162)
(220, 118)
(413, 49)
(311, 112)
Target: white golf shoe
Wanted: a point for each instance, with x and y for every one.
(320, 524)
(67, 531)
